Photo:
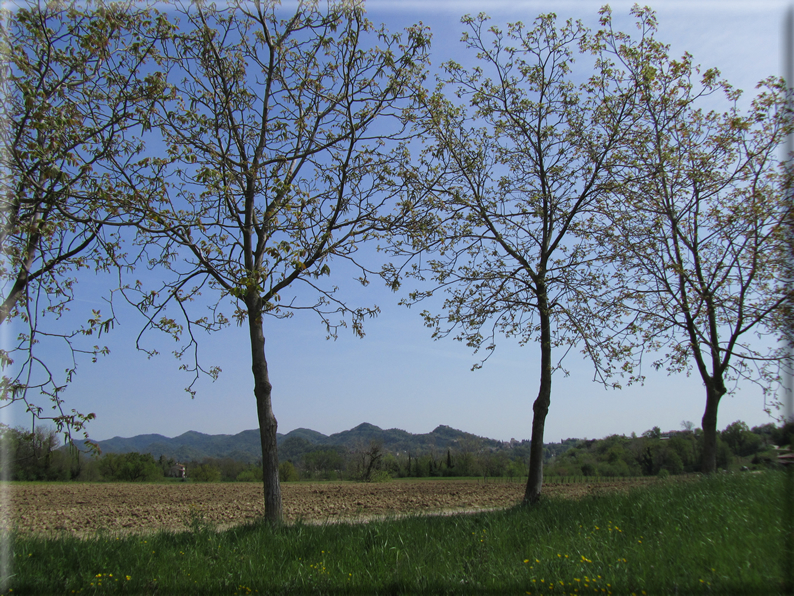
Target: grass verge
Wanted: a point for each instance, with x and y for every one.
(717, 535)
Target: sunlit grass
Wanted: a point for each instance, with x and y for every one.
(719, 535)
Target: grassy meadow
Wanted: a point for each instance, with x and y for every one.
(716, 535)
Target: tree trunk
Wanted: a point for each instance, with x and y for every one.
(267, 421)
(714, 391)
(540, 408)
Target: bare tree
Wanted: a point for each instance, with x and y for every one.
(367, 459)
(279, 136)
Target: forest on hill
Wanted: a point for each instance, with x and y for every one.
(368, 453)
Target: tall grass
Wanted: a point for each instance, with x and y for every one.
(717, 535)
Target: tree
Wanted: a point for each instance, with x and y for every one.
(205, 473)
(514, 168)
(130, 467)
(287, 472)
(366, 460)
(654, 433)
(323, 463)
(74, 87)
(697, 226)
(33, 455)
(278, 142)
(740, 439)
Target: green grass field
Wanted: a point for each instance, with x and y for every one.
(717, 535)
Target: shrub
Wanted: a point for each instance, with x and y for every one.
(205, 473)
(130, 467)
(252, 474)
(381, 476)
(287, 472)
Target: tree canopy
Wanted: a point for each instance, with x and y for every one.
(75, 88)
(697, 224)
(279, 130)
(521, 151)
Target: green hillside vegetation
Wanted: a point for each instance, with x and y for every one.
(677, 452)
(368, 453)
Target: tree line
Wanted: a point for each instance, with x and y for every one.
(574, 190)
(39, 456)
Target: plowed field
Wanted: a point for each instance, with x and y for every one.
(82, 509)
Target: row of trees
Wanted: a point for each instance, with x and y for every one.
(573, 189)
(606, 208)
(38, 456)
(675, 452)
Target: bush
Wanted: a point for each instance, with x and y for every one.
(287, 472)
(381, 476)
(252, 474)
(130, 467)
(205, 473)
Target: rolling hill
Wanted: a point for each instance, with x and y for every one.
(245, 447)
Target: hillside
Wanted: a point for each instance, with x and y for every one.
(367, 451)
(245, 446)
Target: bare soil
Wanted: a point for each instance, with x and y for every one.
(82, 509)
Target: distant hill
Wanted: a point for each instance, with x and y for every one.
(245, 446)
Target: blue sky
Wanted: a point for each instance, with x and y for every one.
(397, 376)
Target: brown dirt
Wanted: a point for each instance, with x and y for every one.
(83, 509)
